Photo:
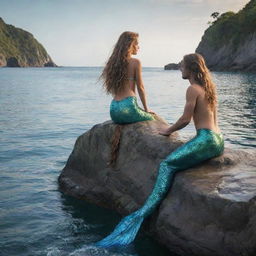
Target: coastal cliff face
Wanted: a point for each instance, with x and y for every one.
(229, 44)
(18, 48)
(210, 210)
(226, 58)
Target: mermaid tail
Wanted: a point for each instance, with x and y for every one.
(127, 111)
(206, 144)
(126, 231)
(124, 112)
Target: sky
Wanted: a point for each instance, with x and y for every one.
(84, 32)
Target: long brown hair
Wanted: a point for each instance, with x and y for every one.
(115, 72)
(195, 64)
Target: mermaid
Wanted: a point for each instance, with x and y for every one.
(121, 76)
(201, 106)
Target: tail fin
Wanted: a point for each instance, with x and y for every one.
(115, 144)
(124, 233)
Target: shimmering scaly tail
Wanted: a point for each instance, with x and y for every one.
(124, 233)
(205, 145)
(127, 229)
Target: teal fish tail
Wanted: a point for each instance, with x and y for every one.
(124, 233)
(205, 145)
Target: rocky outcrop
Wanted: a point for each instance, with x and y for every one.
(19, 48)
(226, 58)
(171, 66)
(229, 44)
(210, 209)
(12, 62)
(2, 60)
(50, 63)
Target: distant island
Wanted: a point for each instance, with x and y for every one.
(19, 48)
(171, 66)
(229, 44)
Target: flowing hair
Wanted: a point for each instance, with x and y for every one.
(115, 72)
(195, 64)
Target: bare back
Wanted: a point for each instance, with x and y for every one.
(130, 84)
(203, 116)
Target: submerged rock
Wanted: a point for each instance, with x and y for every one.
(209, 210)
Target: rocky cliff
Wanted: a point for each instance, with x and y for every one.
(18, 48)
(210, 210)
(229, 44)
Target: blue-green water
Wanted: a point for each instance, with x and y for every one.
(43, 111)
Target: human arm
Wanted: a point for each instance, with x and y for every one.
(140, 85)
(184, 120)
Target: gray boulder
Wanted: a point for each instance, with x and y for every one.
(209, 210)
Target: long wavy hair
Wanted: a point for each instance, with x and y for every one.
(195, 64)
(115, 72)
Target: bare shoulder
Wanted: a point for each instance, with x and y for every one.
(194, 89)
(134, 62)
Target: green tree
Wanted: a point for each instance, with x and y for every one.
(215, 15)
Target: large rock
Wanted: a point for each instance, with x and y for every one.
(209, 210)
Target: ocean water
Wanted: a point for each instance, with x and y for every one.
(43, 111)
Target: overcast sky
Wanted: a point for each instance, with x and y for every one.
(83, 32)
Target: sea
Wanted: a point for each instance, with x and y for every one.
(44, 110)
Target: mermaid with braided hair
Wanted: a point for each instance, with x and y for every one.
(201, 106)
(121, 75)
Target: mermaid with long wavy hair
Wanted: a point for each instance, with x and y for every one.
(201, 104)
(121, 75)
